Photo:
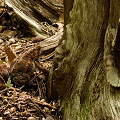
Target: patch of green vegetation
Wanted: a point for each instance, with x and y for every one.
(85, 112)
(84, 97)
(84, 104)
(9, 82)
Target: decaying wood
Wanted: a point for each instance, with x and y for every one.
(43, 103)
(33, 13)
(87, 84)
(112, 73)
(49, 14)
(21, 105)
(54, 4)
(24, 12)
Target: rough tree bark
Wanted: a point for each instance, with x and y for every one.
(85, 72)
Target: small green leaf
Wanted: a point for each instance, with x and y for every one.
(9, 82)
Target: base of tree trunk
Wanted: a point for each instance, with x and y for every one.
(79, 73)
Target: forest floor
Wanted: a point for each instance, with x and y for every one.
(23, 78)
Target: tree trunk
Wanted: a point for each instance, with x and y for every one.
(85, 72)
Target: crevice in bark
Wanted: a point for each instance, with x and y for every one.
(109, 44)
(117, 51)
(97, 60)
(68, 8)
(86, 84)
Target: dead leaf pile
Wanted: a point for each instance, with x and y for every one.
(16, 105)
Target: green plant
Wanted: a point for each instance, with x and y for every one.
(9, 82)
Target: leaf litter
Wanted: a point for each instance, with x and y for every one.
(24, 70)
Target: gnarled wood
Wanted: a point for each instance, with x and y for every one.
(56, 5)
(79, 76)
(112, 73)
(33, 13)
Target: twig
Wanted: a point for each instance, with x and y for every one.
(2, 6)
(41, 67)
(22, 87)
(39, 89)
(38, 107)
(4, 108)
(44, 103)
(35, 77)
(47, 56)
(3, 90)
(2, 13)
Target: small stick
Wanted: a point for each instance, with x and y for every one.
(37, 106)
(3, 90)
(47, 56)
(39, 89)
(41, 67)
(4, 108)
(44, 104)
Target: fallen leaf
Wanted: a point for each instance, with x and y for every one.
(61, 17)
(10, 54)
(0, 28)
(2, 82)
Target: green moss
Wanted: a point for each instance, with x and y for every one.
(85, 113)
(84, 104)
(85, 97)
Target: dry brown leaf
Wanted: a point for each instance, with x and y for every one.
(61, 21)
(10, 54)
(2, 82)
(11, 33)
(61, 17)
(0, 28)
(1, 62)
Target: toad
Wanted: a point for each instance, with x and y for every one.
(22, 68)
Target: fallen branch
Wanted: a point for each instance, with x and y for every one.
(38, 108)
(47, 56)
(44, 70)
(43, 103)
